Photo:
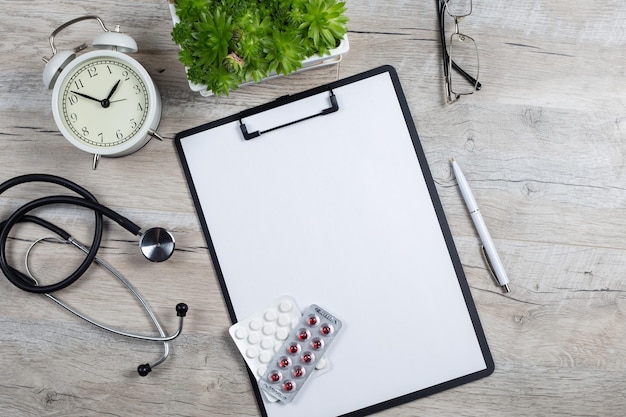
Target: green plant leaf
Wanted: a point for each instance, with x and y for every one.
(225, 43)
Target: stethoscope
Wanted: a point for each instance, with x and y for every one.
(156, 244)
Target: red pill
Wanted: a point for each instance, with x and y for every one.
(317, 343)
(284, 362)
(298, 372)
(303, 334)
(326, 329)
(312, 320)
(275, 376)
(289, 386)
(293, 348)
(307, 357)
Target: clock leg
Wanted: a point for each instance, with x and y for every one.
(154, 134)
(96, 158)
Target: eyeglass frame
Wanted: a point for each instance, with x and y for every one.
(448, 63)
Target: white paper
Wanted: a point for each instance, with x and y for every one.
(335, 211)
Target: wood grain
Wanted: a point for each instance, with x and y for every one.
(542, 145)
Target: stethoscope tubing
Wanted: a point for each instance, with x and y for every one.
(77, 201)
(29, 282)
(127, 284)
(88, 201)
(17, 278)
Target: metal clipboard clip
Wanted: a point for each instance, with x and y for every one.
(334, 106)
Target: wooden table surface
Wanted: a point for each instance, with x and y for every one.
(542, 145)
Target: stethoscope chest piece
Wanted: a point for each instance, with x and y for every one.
(157, 244)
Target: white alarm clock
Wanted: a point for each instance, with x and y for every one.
(104, 102)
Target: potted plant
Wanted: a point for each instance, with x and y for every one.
(228, 43)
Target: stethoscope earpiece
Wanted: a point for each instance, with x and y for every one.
(144, 369)
(156, 244)
(181, 309)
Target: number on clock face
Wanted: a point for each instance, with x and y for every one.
(103, 102)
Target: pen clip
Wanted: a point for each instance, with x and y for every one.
(489, 265)
(491, 271)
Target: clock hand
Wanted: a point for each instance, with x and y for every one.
(86, 96)
(113, 90)
(105, 102)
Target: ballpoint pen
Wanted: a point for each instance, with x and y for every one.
(489, 249)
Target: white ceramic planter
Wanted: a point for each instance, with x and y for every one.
(312, 62)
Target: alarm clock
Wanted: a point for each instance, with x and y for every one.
(104, 102)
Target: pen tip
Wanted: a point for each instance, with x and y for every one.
(452, 159)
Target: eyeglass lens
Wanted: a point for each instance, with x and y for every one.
(459, 8)
(464, 52)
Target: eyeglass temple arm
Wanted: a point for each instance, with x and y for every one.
(446, 57)
(468, 77)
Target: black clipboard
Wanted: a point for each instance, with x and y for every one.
(326, 196)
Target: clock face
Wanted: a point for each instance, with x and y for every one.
(104, 102)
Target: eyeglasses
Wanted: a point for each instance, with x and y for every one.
(461, 73)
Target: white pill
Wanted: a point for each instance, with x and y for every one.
(283, 320)
(321, 364)
(267, 343)
(256, 324)
(285, 306)
(282, 334)
(270, 315)
(252, 353)
(268, 329)
(254, 338)
(265, 357)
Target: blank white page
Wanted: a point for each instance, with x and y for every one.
(336, 210)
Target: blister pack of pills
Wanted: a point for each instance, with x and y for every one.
(260, 335)
(295, 361)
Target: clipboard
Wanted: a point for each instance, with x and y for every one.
(326, 196)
